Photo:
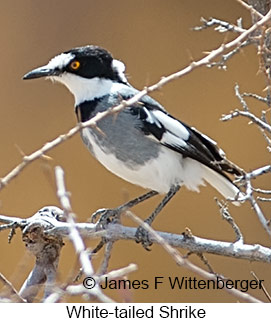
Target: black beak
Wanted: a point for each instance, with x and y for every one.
(41, 72)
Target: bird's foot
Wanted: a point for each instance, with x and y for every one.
(142, 236)
(105, 216)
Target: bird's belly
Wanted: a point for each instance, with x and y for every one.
(158, 173)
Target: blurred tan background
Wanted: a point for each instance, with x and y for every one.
(154, 38)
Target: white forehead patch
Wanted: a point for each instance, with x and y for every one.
(119, 67)
(60, 61)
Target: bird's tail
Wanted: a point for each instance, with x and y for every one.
(222, 184)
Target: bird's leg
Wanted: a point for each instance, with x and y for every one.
(142, 235)
(108, 215)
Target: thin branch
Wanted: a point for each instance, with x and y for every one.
(256, 96)
(267, 139)
(182, 261)
(260, 215)
(263, 199)
(114, 274)
(259, 190)
(221, 26)
(240, 97)
(75, 237)
(268, 296)
(81, 289)
(205, 262)
(249, 195)
(195, 244)
(221, 64)
(249, 115)
(107, 255)
(93, 121)
(250, 8)
(258, 172)
(11, 288)
(226, 216)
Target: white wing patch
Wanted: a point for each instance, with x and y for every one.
(171, 140)
(171, 125)
(175, 134)
(151, 118)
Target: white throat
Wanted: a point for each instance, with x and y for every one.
(85, 89)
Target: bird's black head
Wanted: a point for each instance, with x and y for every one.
(84, 70)
(91, 61)
(87, 62)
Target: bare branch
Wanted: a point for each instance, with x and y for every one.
(249, 194)
(258, 172)
(259, 190)
(268, 140)
(45, 248)
(249, 115)
(221, 26)
(226, 216)
(182, 261)
(80, 289)
(263, 199)
(12, 289)
(107, 255)
(251, 9)
(75, 237)
(268, 296)
(256, 96)
(240, 97)
(221, 64)
(195, 244)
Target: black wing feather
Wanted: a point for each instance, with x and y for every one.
(198, 146)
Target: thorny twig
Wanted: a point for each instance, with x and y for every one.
(12, 291)
(257, 97)
(226, 216)
(249, 195)
(246, 178)
(249, 115)
(246, 113)
(221, 26)
(221, 64)
(268, 296)
(251, 9)
(81, 290)
(182, 261)
(107, 255)
(115, 232)
(202, 258)
(75, 237)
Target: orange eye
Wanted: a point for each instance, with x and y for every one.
(75, 65)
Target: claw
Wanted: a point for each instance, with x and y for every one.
(142, 236)
(106, 216)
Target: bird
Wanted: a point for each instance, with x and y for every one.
(143, 144)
